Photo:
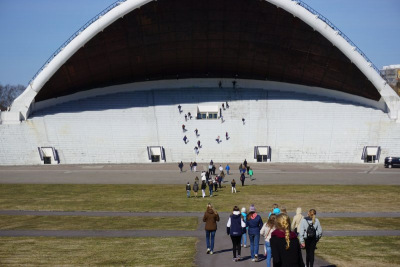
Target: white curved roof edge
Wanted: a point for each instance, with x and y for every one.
(21, 106)
(212, 83)
(389, 96)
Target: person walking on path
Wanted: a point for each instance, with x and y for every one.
(191, 166)
(222, 175)
(203, 188)
(210, 186)
(195, 166)
(255, 223)
(251, 173)
(243, 121)
(235, 228)
(185, 117)
(285, 246)
(188, 188)
(227, 168)
(296, 221)
(310, 233)
(215, 181)
(183, 128)
(180, 165)
(196, 187)
(242, 178)
(199, 144)
(245, 163)
(243, 241)
(185, 139)
(221, 169)
(211, 218)
(180, 108)
(266, 231)
(233, 183)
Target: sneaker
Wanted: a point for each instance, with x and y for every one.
(208, 251)
(245, 246)
(211, 252)
(234, 259)
(239, 258)
(253, 259)
(256, 257)
(241, 245)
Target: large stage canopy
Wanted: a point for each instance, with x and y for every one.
(273, 40)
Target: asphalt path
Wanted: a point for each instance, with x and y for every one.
(282, 173)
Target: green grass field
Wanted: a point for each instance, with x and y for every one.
(341, 251)
(329, 198)
(360, 251)
(99, 223)
(49, 251)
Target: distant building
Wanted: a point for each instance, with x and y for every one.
(392, 74)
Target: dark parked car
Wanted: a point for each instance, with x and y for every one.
(392, 162)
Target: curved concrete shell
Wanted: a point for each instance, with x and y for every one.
(274, 40)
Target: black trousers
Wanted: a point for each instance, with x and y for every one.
(310, 249)
(236, 245)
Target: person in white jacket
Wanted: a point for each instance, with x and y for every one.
(296, 221)
(266, 231)
(310, 232)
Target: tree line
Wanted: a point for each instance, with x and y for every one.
(8, 93)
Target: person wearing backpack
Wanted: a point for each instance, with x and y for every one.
(310, 232)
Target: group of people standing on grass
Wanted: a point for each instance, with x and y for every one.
(214, 182)
(283, 239)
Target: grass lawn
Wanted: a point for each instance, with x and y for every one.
(97, 223)
(360, 251)
(324, 198)
(97, 251)
(369, 223)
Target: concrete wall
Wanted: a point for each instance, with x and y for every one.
(117, 128)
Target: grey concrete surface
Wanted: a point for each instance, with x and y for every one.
(271, 173)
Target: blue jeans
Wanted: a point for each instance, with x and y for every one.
(244, 239)
(208, 235)
(268, 246)
(188, 193)
(210, 191)
(254, 242)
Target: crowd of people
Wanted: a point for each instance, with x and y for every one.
(283, 239)
(212, 180)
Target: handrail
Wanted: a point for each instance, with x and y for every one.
(330, 24)
(86, 25)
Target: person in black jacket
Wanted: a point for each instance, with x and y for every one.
(285, 246)
(235, 228)
(188, 189)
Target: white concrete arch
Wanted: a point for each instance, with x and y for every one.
(21, 106)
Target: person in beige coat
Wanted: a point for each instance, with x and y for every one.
(296, 221)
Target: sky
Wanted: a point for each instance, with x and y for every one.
(31, 30)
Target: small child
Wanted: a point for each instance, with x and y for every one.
(233, 183)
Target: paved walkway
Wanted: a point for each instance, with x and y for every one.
(270, 173)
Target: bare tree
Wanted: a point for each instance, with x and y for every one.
(8, 93)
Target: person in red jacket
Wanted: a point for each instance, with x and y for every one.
(285, 246)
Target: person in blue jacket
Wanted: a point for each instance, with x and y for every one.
(235, 227)
(227, 168)
(254, 224)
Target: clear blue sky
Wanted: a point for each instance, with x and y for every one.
(31, 30)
